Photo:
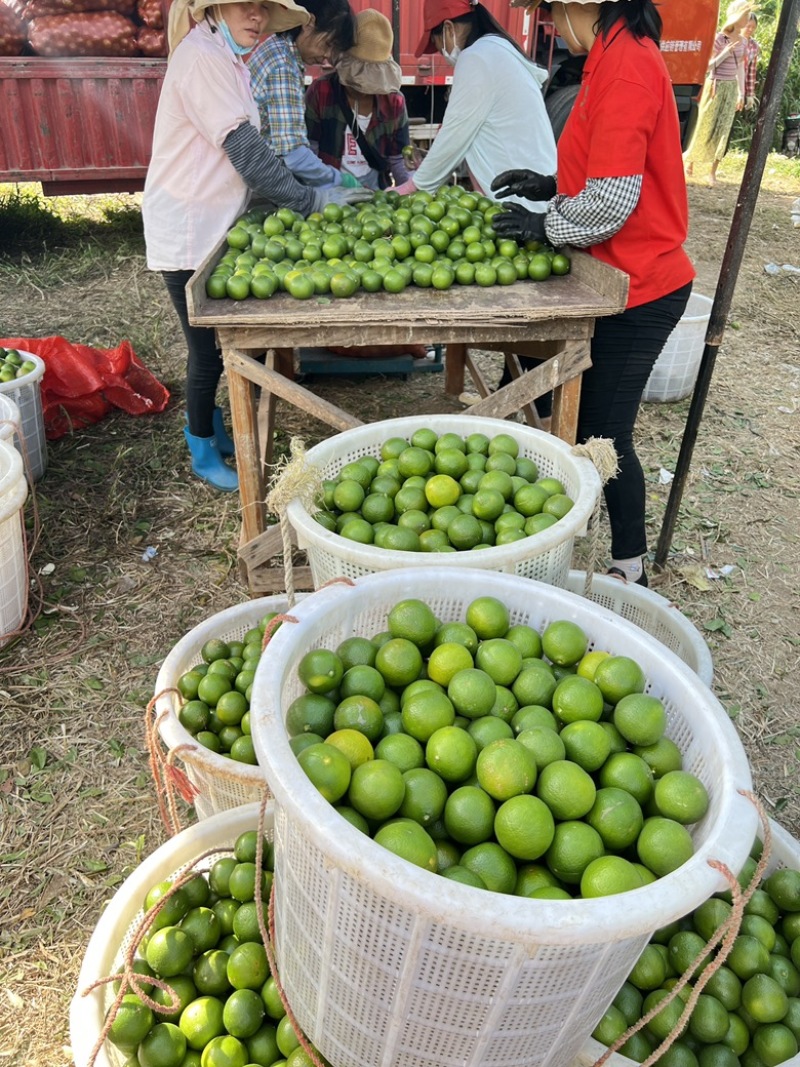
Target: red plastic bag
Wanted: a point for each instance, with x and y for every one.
(81, 384)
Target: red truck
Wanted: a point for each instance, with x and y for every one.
(85, 125)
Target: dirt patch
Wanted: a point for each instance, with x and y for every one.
(77, 811)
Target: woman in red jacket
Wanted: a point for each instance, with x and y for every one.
(621, 195)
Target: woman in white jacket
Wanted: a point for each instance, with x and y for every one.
(495, 118)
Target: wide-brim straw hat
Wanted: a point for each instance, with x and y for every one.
(368, 67)
(183, 14)
(735, 11)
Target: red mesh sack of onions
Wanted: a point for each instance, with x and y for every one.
(12, 32)
(151, 43)
(89, 33)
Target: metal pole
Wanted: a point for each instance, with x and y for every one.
(396, 30)
(732, 259)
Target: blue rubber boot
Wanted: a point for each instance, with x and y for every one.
(221, 435)
(209, 465)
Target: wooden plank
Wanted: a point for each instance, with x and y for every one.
(454, 359)
(566, 406)
(264, 547)
(267, 581)
(475, 373)
(529, 412)
(295, 394)
(599, 276)
(248, 459)
(569, 363)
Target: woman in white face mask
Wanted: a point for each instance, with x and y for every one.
(495, 118)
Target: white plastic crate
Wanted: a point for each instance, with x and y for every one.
(26, 393)
(220, 781)
(654, 614)
(10, 420)
(117, 924)
(386, 964)
(545, 556)
(675, 370)
(13, 563)
(785, 853)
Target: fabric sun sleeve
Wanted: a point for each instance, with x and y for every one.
(264, 172)
(595, 214)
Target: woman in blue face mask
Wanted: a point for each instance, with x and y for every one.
(495, 115)
(208, 159)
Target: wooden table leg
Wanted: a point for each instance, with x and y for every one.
(454, 361)
(566, 404)
(241, 392)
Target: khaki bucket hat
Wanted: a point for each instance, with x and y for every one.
(183, 14)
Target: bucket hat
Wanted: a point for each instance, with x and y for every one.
(368, 67)
(283, 15)
(735, 11)
(435, 12)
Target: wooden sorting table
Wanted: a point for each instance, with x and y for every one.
(554, 320)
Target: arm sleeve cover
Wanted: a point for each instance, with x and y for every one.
(264, 172)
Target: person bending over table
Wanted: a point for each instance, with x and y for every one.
(277, 69)
(621, 195)
(208, 158)
(356, 116)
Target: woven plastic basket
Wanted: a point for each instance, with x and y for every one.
(675, 371)
(10, 420)
(26, 393)
(545, 556)
(785, 853)
(14, 568)
(219, 781)
(112, 935)
(654, 614)
(386, 964)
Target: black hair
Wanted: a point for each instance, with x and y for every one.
(482, 23)
(752, 17)
(641, 17)
(334, 19)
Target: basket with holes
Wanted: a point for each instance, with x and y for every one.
(544, 556)
(785, 852)
(117, 925)
(388, 964)
(14, 568)
(216, 782)
(26, 393)
(653, 613)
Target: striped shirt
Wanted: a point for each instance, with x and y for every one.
(725, 70)
(276, 79)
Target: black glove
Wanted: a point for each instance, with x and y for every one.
(525, 183)
(520, 224)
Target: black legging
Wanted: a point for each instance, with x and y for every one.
(624, 349)
(204, 365)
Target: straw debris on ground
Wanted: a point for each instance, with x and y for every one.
(77, 809)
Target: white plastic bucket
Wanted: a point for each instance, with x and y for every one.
(675, 370)
(27, 395)
(386, 964)
(10, 420)
(13, 570)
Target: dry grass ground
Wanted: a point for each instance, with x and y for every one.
(77, 809)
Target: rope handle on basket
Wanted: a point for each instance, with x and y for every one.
(167, 777)
(294, 479)
(130, 980)
(273, 625)
(724, 935)
(601, 452)
(267, 931)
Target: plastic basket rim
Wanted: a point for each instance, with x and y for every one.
(593, 1049)
(11, 470)
(9, 415)
(219, 829)
(172, 732)
(405, 885)
(30, 377)
(706, 301)
(641, 594)
(494, 558)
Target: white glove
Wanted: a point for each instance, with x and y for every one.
(338, 194)
(750, 103)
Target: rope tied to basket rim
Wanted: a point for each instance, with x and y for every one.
(724, 936)
(601, 453)
(294, 479)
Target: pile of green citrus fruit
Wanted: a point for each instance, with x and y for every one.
(206, 945)
(442, 493)
(748, 1015)
(216, 694)
(386, 245)
(497, 756)
(13, 365)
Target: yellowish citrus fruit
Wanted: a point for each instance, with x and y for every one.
(353, 744)
(664, 845)
(471, 691)
(404, 751)
(575, 844)
(469, 815)
(640, 718)
(564, 642)
(452, 753)
(505, 769)
(488, 617)
(359, 713)
(586, 743)
(500, 659)
(524, 827)
(576, 699)
(629, 772)
(544, 744)
(328, 770)
(619, 676)
(132, 1022)
(589, 663)
(407, 839)
(376, 789)
(164, 1046)
(488, 728)
(681, 796)
(446, 660)
(535, 684)
(609, 875)
(493, 865)
(764, 999)
(662, 757)
(617, 817)
(399, 661)
(413, 621)
(425, 713)
(320, 670)
(425, 796)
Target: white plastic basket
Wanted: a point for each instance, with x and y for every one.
(675, 370)
(386, 964)
(26, 393)
(112, 935)
(220, 781)
(10, 420)
(654, 614)
(545, 556)
(785, 853)
(13, 564)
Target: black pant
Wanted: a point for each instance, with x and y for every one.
(204, 365)
(624, 349)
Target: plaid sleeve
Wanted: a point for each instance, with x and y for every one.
(277, 85)
(593, 215)
(751, 67)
